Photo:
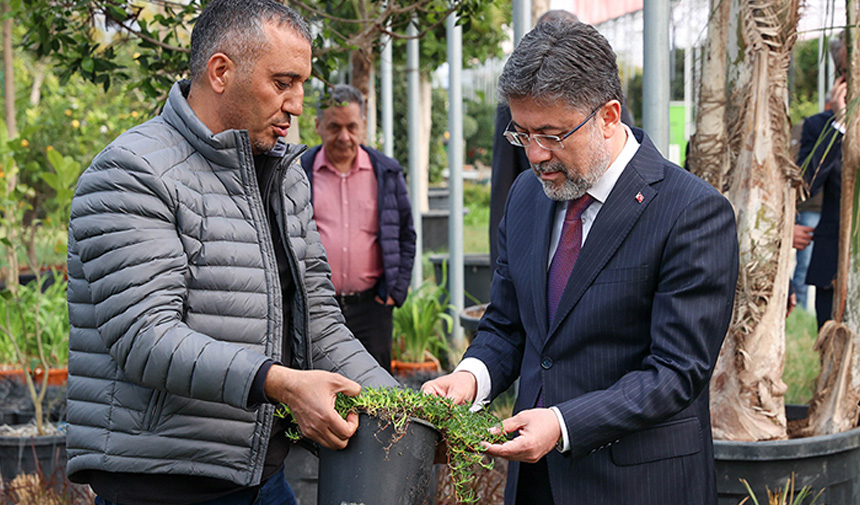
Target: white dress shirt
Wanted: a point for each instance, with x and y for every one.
(599, 192)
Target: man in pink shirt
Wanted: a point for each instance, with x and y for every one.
(364, 218)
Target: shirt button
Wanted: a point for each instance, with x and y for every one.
(546, 363)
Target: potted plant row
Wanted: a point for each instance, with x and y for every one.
(389, 459)
(420, 326)
(34, 325)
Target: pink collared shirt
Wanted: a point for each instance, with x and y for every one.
(346, 211)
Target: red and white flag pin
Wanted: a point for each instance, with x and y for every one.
(639, 197)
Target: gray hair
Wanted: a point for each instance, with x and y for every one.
(235, 28)
(557, 15)
(340, 96)
(561, 61)
(837, 46)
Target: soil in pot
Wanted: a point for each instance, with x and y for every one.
(380, 465)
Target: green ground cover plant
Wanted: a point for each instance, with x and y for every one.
(463, 432)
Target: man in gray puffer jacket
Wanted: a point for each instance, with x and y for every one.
(199, 292)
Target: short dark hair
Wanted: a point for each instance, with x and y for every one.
(341, 95)
(562, 61)
(235, 28)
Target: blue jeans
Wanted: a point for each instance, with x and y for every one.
(798, 280)
(274, 491)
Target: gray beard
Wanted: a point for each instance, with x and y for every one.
(573, 186)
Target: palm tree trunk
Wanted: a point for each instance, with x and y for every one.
(834, 406)
(759, 179)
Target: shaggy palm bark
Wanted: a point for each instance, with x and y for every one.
(837, 390)
(759, 179)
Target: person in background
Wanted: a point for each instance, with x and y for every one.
(508, 162)
(362, 211)
(199, 293)
(821, 153)
(612, 295)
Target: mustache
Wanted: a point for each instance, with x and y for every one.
(549, 167)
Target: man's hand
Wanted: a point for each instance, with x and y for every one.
(539, 432)
(461, 387)
(837, 98)
(389, 301)
(310, 394)
(802, 236)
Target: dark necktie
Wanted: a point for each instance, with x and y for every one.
(565, 256)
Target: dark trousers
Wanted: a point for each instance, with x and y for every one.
(372, 325)
(275, 491)
(533, 484)
(823, 305)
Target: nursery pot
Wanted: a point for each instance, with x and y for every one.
(21, 455)
(410, 368)
(829, 462)
(379, 466)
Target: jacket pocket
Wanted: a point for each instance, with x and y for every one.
(669, 440)
(630, 274)
(153, 411)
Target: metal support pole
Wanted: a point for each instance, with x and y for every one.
(655, 74)
(413, 115)
(455, 180)
(386, 65)
(822, 70)
(689, 125)
(522, 14)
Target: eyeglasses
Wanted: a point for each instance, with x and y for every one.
(548, 142)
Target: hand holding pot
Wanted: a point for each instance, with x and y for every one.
(461, 387)
(538, 433)
(310, 394)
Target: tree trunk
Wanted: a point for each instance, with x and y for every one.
(11, 172)
(760, 179)
(425, 124)
(38, 80)
(709, 154)
(837, 389)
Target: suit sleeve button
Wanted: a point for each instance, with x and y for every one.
(546, 363)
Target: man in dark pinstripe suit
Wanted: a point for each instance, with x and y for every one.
(613, 356)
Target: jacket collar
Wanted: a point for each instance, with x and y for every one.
(222, 148)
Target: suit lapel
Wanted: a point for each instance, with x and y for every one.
(545, 213)
(616, 218)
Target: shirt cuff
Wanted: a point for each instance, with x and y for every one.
(257, 395)
(482, 375)
(839, 127)
(565, 439)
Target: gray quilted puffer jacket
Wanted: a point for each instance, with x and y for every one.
(175, 302)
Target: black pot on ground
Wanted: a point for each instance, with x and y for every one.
(434, 229)
(21, 455)
(470, 318)
(16, 406)
(301, 471)
(380, 466)
(477, 275)
(829, 462)
(437, 197)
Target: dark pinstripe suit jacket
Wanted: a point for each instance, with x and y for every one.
(638, 330)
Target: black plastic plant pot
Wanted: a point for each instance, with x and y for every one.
(20, 455)
(379, 466)
(828, 462)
